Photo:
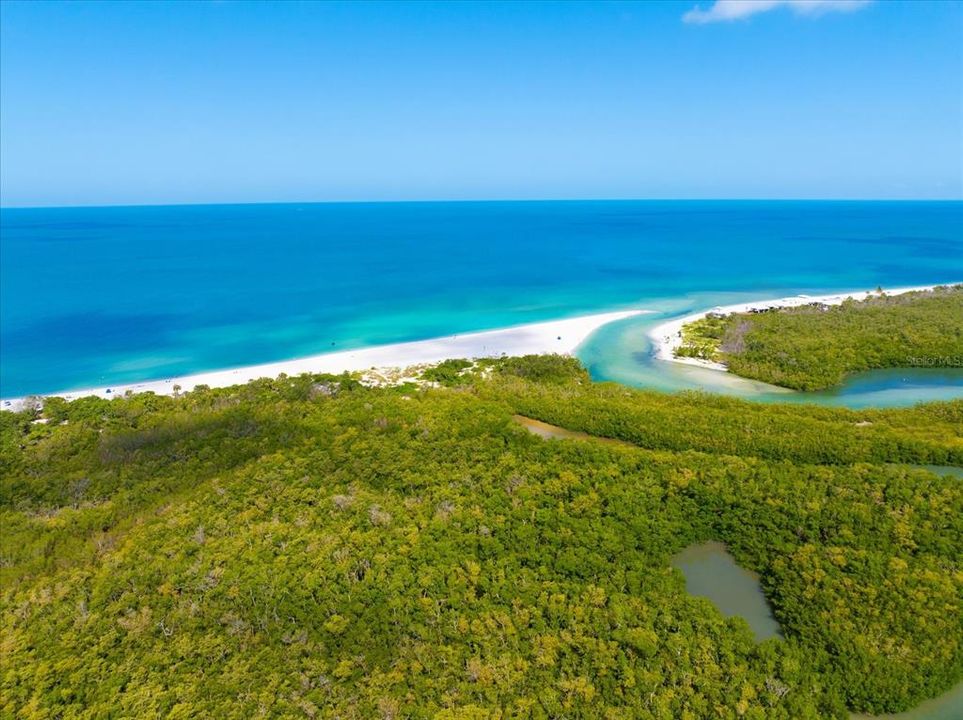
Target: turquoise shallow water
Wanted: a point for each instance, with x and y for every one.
(622, 352)
(90, 296)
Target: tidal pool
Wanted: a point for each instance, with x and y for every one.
(711, 572)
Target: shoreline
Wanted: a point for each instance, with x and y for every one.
(553, 336)
(667, 337)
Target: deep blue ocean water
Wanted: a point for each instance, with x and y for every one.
(94, 296)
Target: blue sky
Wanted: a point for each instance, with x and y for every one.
(131, 103)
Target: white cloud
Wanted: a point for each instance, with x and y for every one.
(727, 10)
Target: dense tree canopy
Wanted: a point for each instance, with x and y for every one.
(815, 346)
(310, 547)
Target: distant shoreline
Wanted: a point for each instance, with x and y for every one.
(667, 337)
(555, 336)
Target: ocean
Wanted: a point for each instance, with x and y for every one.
(112, 295)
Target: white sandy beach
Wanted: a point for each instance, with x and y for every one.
(667, 337)
(557, 336)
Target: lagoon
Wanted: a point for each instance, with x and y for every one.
(622, 352)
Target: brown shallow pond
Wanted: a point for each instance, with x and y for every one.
(711, 572)
(554, 432)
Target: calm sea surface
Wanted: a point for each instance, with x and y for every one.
(94, 296)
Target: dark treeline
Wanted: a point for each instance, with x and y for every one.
(308, 546)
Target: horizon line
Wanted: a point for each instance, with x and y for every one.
(482, 200)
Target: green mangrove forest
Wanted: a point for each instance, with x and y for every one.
(814, 346)
(311, 547)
